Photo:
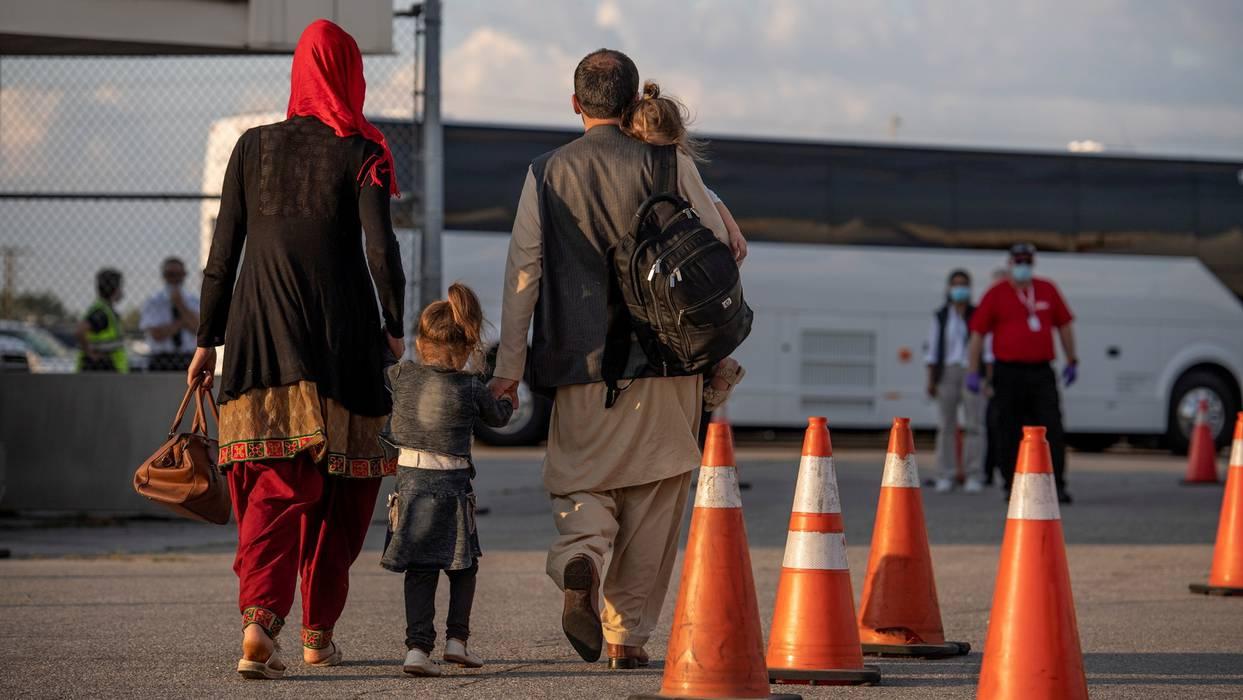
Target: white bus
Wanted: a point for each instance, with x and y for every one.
(850, 248)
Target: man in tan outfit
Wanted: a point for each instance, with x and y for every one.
(618, 478)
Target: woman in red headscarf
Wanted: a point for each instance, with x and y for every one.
(302, 392)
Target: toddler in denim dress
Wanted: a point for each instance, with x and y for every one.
(432, 514)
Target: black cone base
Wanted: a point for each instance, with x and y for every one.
(919, 651)
(868, 675)
(658, 696)
(1205, 589)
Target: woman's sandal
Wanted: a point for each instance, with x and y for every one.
(332, 659)
(715, 398)
(269, 670)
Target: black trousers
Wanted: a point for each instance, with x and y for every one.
(421, 606)
(992, 440)
(1026, 394)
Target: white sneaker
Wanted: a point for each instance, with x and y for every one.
(418, 663)
(973, 486)
(943, 486)
(456, 653)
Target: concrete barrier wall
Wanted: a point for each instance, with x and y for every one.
(72, 442)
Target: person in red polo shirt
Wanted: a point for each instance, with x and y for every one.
(1022, 313)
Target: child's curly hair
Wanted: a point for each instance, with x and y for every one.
(661, 121)
(451, 329)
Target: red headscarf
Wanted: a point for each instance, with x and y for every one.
(327, 83)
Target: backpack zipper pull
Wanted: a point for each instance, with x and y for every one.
(652, 272)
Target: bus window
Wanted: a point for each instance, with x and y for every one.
(776, 191)
(484, 172)
(1007, 199)
(891, 197)
(1138, 207)
(1219, 190)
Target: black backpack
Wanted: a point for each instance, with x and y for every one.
(674, 286)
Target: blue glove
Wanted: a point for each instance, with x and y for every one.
(973, 382)
(1070, 374)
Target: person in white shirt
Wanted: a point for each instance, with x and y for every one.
(170, 319)
(946, 357)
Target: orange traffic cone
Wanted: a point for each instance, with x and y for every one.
(716, 649)
(814, 639)
(1032, 650)
(1226, 576)
(1202, 457)
(899, 615)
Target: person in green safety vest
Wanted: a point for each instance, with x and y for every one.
(99, 332)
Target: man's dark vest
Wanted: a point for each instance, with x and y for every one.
(589, 191)
(943, 315)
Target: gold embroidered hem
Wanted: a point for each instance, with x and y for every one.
(280, 422)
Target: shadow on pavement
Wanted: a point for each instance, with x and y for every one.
(1176, 668)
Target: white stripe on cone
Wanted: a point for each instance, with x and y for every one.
(816, 491)
(1033, 497)
(815, 550)
(1236, 454)
(901, 472)
(718, 488)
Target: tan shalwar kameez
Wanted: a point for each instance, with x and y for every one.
(618, 478)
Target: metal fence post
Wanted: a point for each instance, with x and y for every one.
(433, 160)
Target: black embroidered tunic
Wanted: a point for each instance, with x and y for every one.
(304, 306)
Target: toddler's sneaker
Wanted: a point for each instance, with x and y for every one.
(943, 486)
(727, 373)
(418, 663)
(456, 653)
(973, 486)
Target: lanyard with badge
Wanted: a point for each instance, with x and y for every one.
(1028, 298)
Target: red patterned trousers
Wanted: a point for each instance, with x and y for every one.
(293, 519)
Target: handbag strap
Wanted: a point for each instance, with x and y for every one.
(205, 398)
(185, 403)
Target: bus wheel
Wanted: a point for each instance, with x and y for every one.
(1223, 403)
(528, 425)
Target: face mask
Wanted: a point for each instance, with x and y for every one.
(1021, 272)
(959, 294)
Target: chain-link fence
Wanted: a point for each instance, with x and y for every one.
(116, 162)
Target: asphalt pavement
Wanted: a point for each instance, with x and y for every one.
(146, 608)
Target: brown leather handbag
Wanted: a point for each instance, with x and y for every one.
(182, 474)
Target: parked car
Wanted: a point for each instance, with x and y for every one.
(44, 352)
(13, 355)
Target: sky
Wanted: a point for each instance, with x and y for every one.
(1139, 76)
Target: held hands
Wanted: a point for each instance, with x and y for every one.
(973, 382)
(1070, 373)
(504, 387)
(204, 363)
(395, 345)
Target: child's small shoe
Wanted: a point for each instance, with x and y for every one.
(418, 663)
(456, 653)
(729, 373)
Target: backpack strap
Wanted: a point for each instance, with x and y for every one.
(617, 337)
(665, 170)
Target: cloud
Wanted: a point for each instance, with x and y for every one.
(608, 15)
(26, 114)
(1152, 77)
(493, 75)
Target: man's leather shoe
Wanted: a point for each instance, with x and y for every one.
(624, 657)
(580, 618)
